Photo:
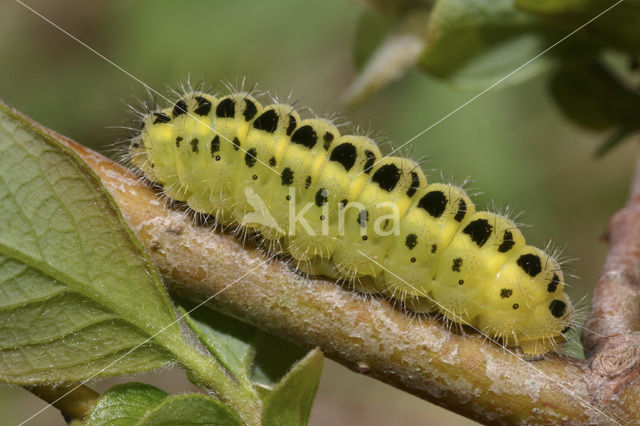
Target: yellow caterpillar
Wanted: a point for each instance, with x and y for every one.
(341, 209)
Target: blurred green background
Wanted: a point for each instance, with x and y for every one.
(519, 150)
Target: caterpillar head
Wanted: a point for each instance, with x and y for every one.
(138, 156)
(526, 303)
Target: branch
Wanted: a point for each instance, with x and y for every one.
(464, 374)
(611, 335)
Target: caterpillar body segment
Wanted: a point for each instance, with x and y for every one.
(428, 229)
(341, 209)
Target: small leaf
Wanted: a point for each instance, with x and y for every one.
(144, 405)
(475, 43)
(395, 55)
(228, 339)
(389, 53)
(248, 353)
(613, 140)
(573, 89)
(274, 358)
(594, 97)
(399, 6)
(191, 409)
(125, 404)
(371, 30)
(561, 6)
(616, 27)
(291, 399)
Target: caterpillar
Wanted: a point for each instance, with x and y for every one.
(341, 209)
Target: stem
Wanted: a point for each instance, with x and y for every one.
(75, 405)
(464, 374)
(243, 399)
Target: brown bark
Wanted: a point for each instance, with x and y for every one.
(464, 374)
(611, 334)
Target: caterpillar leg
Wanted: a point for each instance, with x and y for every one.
(536, 349)
(365, 284)
(420, 305)
(325, 267)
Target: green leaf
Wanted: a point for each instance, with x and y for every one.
(562, 6)
(249, 353)
(371, 30)
(125, 404)
(618, 27)
(191, 409)
(69, 269)
(594, 97)
(618, 136)
(385, 49)
(79, 296)
(144, 405)
(274, 358)
(474, 43)
(291, 399)
(395, 7)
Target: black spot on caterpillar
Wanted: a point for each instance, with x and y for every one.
(434, 202)
(226, 108)
(305, 136)
(204, 106)
(179, 108)
(479, 231)
(344, 154)
(351, 206)
(387, 177)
